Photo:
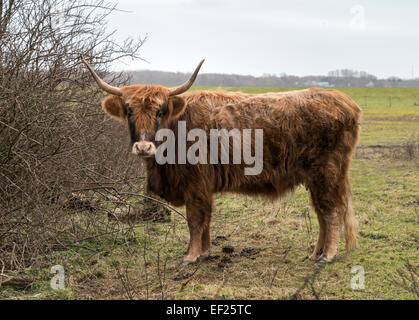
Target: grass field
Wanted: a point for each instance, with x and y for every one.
(270, 239)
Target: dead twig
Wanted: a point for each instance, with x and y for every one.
(155, 200)
(308, 282)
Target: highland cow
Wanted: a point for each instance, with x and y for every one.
(309, 137)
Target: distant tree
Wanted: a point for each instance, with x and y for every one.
(394, 79)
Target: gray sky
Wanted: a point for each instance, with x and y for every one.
(255, 37)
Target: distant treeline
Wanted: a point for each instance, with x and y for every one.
(337, 78)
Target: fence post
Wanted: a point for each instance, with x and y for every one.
(415, 101)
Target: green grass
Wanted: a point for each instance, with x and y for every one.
(143, 261)
(388, 132)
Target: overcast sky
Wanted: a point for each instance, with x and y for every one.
(256, 37)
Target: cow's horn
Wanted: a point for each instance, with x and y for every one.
(102, 84)
(185, 87)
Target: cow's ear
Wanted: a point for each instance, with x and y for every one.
(115, 107)
(176, 106)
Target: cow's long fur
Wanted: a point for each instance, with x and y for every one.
(309, 138)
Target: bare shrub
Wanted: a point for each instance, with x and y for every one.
(55, 141)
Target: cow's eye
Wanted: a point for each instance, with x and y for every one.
(162, 111)
(129, 110)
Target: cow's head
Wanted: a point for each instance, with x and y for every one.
(143, 107)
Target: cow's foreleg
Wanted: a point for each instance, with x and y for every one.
(206, 237)
(198, 214)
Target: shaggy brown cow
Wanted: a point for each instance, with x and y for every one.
(309, 137)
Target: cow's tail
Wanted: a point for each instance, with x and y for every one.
(350, 227)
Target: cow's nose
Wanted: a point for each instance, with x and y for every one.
(144, 149)
(137, 148)
(147, 148)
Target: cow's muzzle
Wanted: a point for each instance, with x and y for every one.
(144, 149)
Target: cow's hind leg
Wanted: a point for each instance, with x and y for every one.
(334, 222)
(318, 249)
(330, 209)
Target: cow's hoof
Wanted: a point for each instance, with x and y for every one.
(192, 260)
(315, 255)
(204, 256)
(325, 259)
(189, 260)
